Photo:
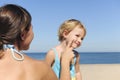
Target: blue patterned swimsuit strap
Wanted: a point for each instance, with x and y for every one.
(56, 53)
(13, 51)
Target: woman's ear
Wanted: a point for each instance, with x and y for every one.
(23, 35)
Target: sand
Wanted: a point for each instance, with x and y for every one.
(100, 71)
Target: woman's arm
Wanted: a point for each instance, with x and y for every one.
(47, 72)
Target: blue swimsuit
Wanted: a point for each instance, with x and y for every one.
(13, 51)
(56, 66)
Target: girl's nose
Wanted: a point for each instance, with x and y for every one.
(80, 40)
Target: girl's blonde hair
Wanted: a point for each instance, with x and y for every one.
(69, 25)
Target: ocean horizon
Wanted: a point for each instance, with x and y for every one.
(87, 57)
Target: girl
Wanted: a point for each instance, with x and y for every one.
(70, 31)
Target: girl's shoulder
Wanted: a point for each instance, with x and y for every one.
(51, 52)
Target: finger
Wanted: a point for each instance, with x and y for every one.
(70, 44)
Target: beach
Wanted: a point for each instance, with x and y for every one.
(100, 71)
(95, 66)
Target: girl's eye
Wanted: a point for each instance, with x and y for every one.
(78, 35)
(82, 38)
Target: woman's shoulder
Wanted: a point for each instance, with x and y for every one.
(43, 69)
(37, 67)
(33, 64)
(31, 61)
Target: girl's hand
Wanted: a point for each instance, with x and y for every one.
(68, 53)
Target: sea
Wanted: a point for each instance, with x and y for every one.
(88, 57)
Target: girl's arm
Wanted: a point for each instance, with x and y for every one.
(50, 57)
(77, 68)
(66, 58)
(65, 70)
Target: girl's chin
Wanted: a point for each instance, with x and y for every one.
(74, 46)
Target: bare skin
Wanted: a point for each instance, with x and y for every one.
(28, 69)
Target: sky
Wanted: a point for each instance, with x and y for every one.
(101, 19)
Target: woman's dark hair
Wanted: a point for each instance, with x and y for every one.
(14, 19)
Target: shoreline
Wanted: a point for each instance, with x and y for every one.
(100, 71)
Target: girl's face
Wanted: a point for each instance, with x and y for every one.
(76, 36)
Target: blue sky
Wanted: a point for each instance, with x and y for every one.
(100, 17)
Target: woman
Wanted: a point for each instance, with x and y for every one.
(16, 34)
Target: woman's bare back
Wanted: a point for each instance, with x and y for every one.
(28, 69)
